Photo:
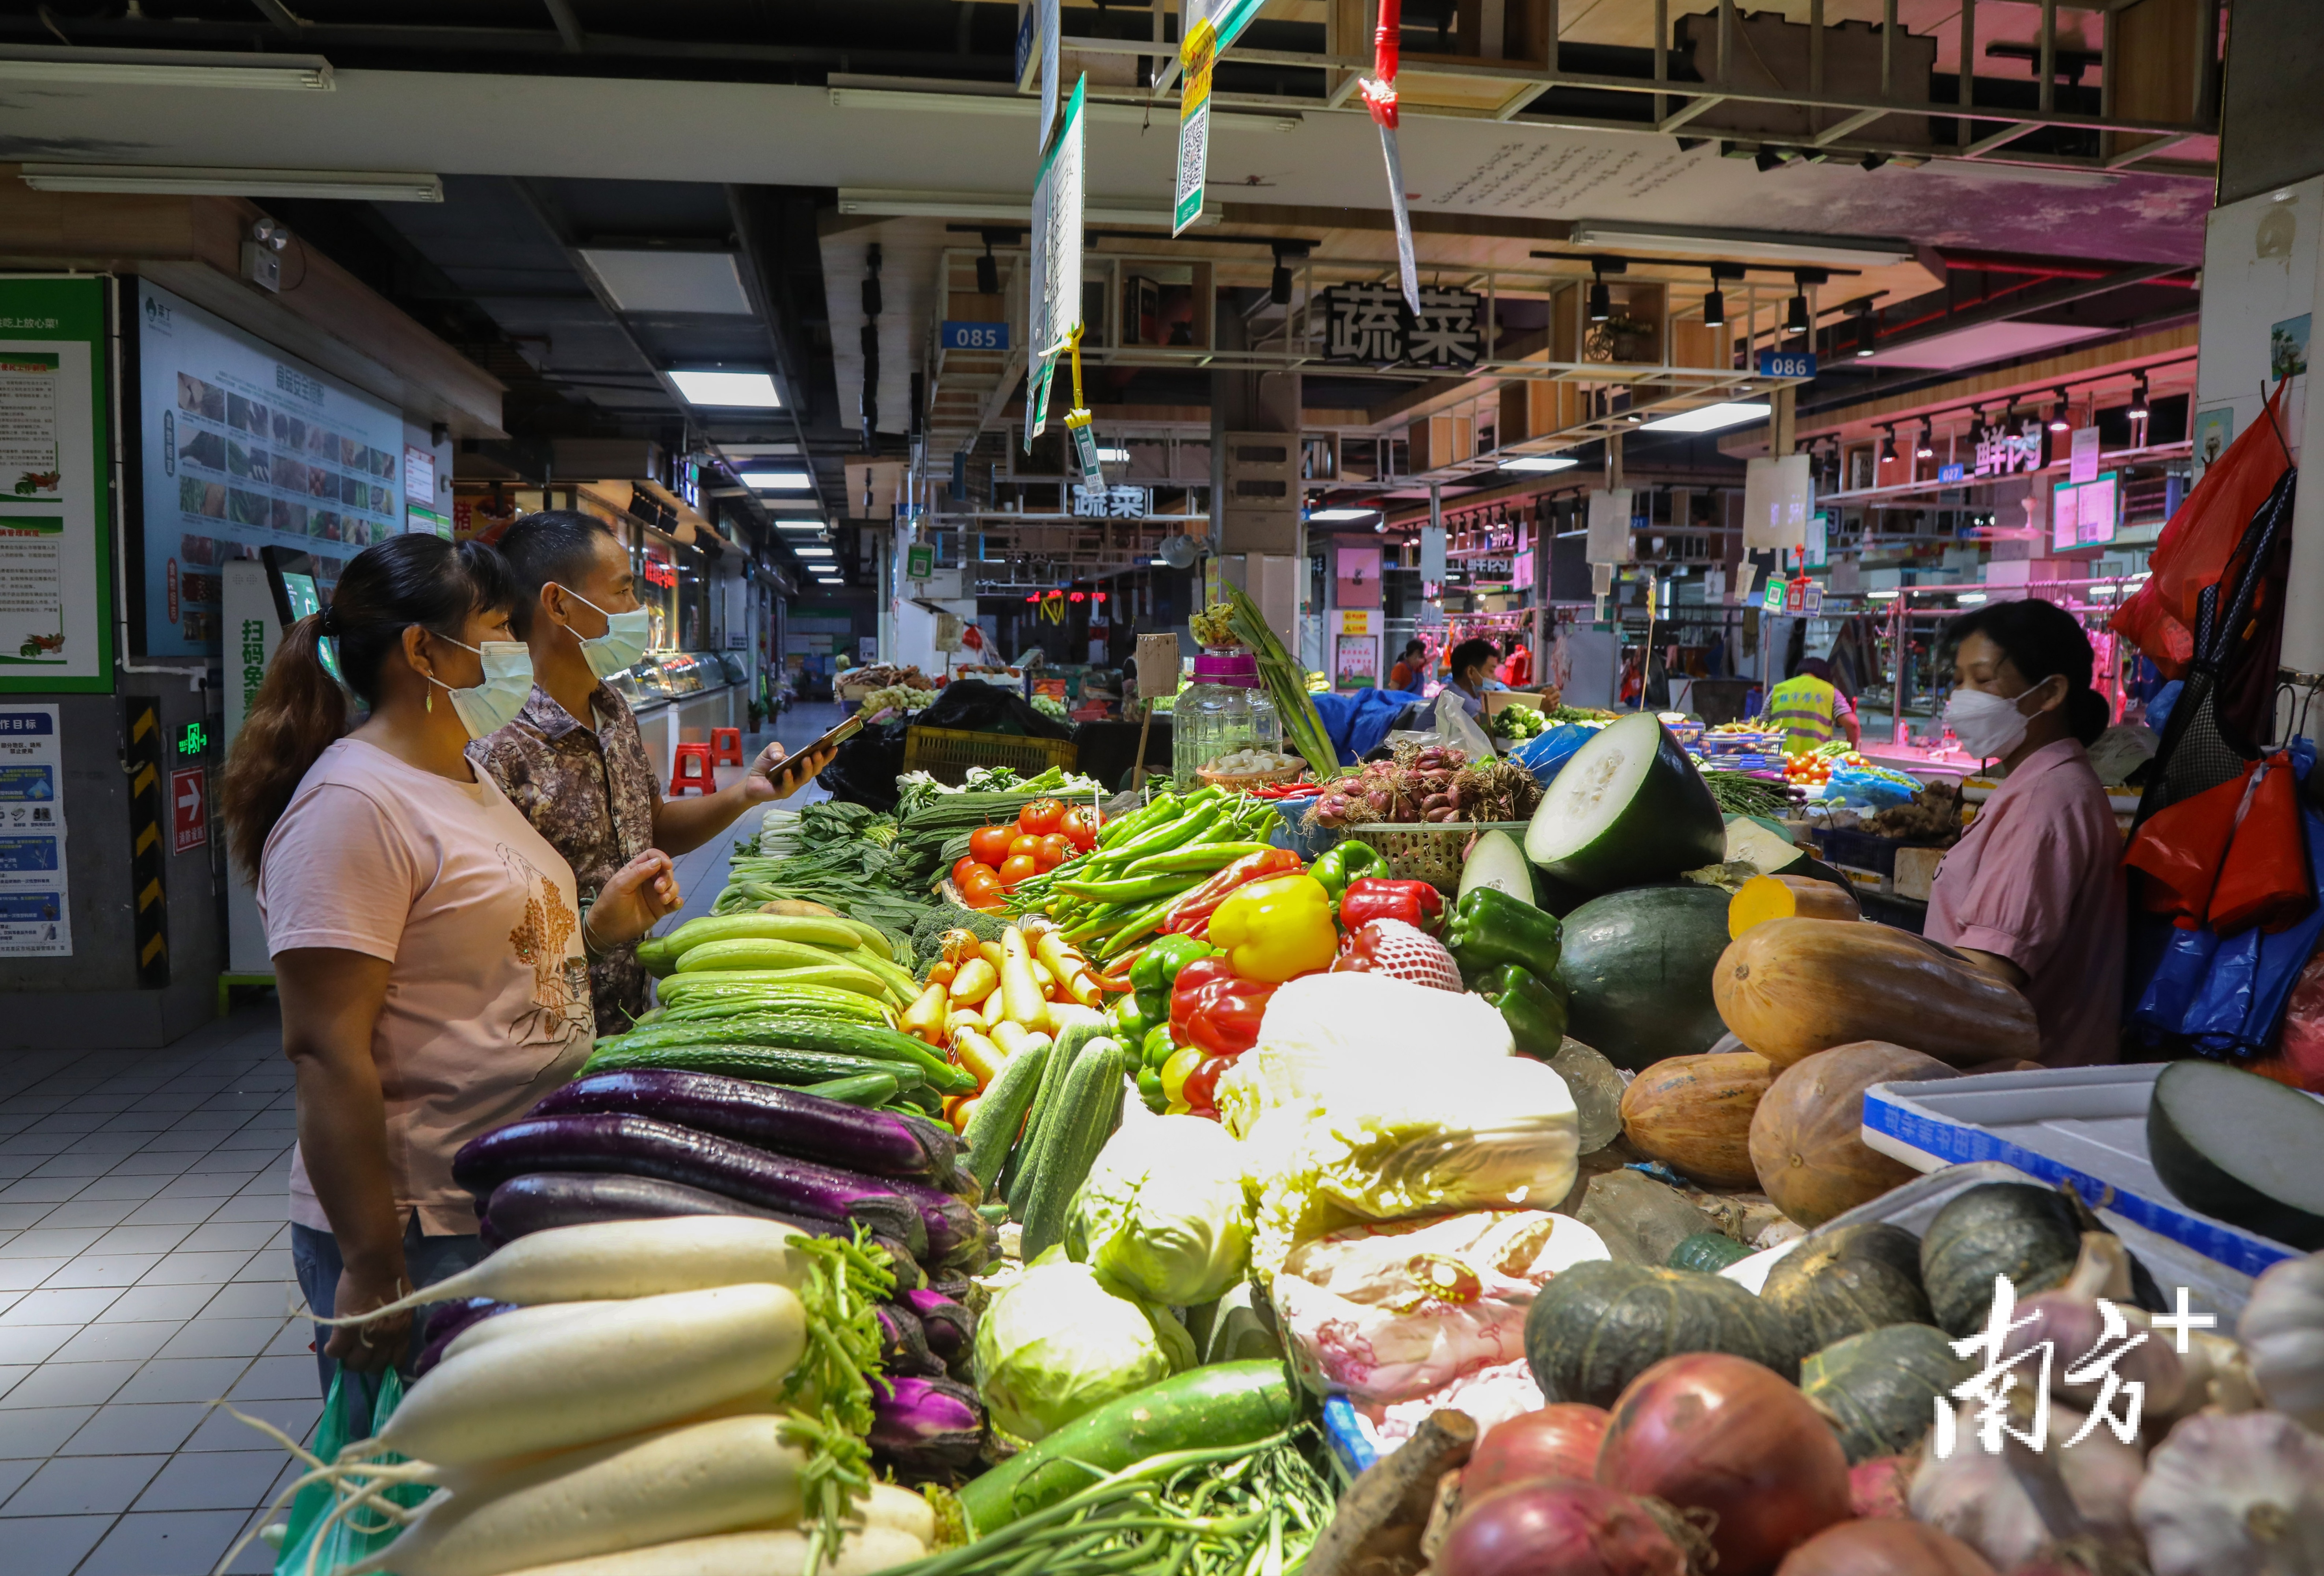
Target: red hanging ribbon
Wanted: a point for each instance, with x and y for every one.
(1379, 93)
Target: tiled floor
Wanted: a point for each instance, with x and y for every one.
(145, 1273)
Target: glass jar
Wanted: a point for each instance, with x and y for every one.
(1222, 711)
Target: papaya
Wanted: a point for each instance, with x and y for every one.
(1790, 988)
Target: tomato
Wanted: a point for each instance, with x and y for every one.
(1053, 851)
(966, 866)
(1015, 868)
(982, 889)
(1041, 817)
(1080, 827)
(990, 844)
(1200, 1090)
(1025, 844)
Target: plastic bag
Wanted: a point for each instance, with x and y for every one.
(343, 1542)
(1393, 1312)
(2303, 1045)
(2263, 881)
(2177, 980)
(2252, 975)
(1456, 728)
(1546, 754)
(2179, 848)
(1490, 1396)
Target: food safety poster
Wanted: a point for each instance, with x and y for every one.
(36, 904)
(55, 588)
(243, 447)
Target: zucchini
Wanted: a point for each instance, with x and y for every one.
(812, 930)
(1053, 1073)
(823, 1036)
(1000, 1111)
(830, 975)
(763, 1063)
(1629, 807)
(1222, 1404)
(752, 951)
(1087, 1109)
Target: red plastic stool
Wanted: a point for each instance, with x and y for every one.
(691, 767)
(726, 746)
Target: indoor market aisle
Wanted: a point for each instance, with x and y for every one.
(145, 1273)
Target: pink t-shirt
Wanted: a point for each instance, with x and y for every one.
(2037, 879)
(487, 1005)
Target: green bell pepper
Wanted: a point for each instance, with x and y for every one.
(1347, 861)
(1129, 1017)
(1159, 1046)
(1157, 970)
(1533, 1006)
(1488, 927)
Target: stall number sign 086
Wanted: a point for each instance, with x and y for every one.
(1786, 363)
(976, 335)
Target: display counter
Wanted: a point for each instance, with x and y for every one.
(679, 696)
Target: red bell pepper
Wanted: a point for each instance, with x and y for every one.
(1212, 1008)
(1190, 914)
(1369, 898)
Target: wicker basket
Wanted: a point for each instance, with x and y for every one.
(1425, 851)
(1243, 782)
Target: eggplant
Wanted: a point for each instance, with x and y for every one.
(783, 1122)
(639, 1146)
(926, 1428)
(949, 1328)
(903, 1346)
(447, 1324)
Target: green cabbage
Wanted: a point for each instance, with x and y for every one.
(1056, 1342)
(1163, 1213)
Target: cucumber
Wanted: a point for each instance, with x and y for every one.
(1087, 1108)
(658, 956)
(822, 1036)
(1223, 1403)
(1068, 1046)
(830, 973)
(813, 930)
(2240, 1148)
(1000, 1111)
(1629, 807)
(756, 952)
(1638, 967)
(760, 1064)
(865, 1089)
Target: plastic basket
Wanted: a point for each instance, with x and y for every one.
(1431, 851)
(946, 755)
(1299, 832)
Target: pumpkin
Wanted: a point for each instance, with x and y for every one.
(1790, 988)
(1765, 897)
(1807, 1135)
(1711, 1251)
(1878, 1389)
(1693, 1114)
(1599, 1324)
(2030, 1234)
(1844, 1282)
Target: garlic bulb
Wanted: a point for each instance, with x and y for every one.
(2012, 1506)
(2282, 1332)
(2243, 1494)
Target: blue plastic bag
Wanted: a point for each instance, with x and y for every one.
(1546, 754)
(349, 1539)
(2177, 980)
(2253, 972)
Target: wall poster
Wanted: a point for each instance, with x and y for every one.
(56, 587)
(240, 448)
(36, 894)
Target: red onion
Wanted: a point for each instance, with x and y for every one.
(1877, 1488)
(1884, 1548)
(1566, 1526)
(1710, 1432)
(1559, 1440)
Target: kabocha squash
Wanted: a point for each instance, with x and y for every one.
(1599, 1325)
(1710, 1252)
(1878, 1389)
(1790, 988)
(1846, 1282)
(1807, 1141)
(1693, 1114)
(2030, 1234)
(1765, 897)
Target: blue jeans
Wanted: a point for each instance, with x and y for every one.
(428, 1260)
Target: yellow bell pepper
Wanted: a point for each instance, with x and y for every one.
(1276, 929)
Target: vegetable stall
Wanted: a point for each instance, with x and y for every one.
(1443, 1165)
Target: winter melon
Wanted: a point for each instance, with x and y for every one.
(1629, 807)
(1638, 968)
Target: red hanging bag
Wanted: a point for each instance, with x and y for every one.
(2265, 878)
(2180, 848)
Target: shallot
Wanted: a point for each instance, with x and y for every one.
(2242, 1494)
(1884, 1548)
(1565, 1526)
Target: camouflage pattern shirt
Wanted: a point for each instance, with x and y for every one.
(593, 796)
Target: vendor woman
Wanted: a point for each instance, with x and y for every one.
(2034, 891)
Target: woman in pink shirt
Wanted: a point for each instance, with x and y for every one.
(2033, 892)
(428, 949)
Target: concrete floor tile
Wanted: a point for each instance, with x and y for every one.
(221, 1480)
(168, 1211)
(13, 1474)
(269, 1264)
(45, 1243)
(182, 1379)
(176, 1542)
(115, 1342)
(69, 1384)
(34, 1342)
(209, 1337)
(278, 1378)
(199, 1184)
(221, 1432)
(18, 1216)
(75, 1306)
(116, 1186)
(12, 1376)
(83, 1485)
(38, 1431)
(196, 1268)
(256, 1299)
(52, 1190)
(141, 1304)
(140, 1239)
(128, 1427)
(218, 1235)
(153, 1162)
(103, 1269)
(297, 1339)
(90, 1212)
(21, 1274)
(51, 1546)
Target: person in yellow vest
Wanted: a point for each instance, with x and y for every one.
(1811, 711)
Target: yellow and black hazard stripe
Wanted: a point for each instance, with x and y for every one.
(149, 849)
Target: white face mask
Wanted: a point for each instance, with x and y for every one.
(486, 707)
(1987, 725)
(622, 644)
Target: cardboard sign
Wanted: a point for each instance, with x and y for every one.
(1157, 666)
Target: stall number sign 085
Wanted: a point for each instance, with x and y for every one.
(975, 336)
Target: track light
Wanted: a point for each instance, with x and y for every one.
(1714, 310)
(2138, 399)
(1795, 316)
(1867, 337)
(1278, 284)
(1766, 159)
(1928, 448)
(2058, 423)
(1601, 300)
(988, 272)
(1887, 445)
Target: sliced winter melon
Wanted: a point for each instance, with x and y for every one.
(1761, 845)
(1497, 860)
(1629, 807)
(2240, 1148)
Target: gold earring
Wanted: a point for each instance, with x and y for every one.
(430, 707)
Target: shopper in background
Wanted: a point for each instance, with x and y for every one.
(1410, 670)
(1811, 711)
(429, 945)
(588, 788)
(2033, 892)
(1473, 674)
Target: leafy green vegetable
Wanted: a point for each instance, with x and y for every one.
(1056, 1342)
(1163, 1213)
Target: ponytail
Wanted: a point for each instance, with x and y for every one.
(300, 710)
(2087, 713)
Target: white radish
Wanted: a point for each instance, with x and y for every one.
(898, 1510)
(638, 1364)
(689, 1482)
(627, 1259)
(746, 1553)
(520, 1323)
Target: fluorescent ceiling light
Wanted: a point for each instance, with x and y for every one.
(1981, 170)
(214, 181)
(779, 481)
(708, 386)
(1883, 595)
(1742, 245)
(1342, 513)
(1159, 562)
(812, 552)
(643, 280)
(164, 69)
(1712, 417)
(1540, 462)
(1969, 598)
(799, 525)
(999, 206)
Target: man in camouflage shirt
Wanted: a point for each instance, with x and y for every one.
(588, 786)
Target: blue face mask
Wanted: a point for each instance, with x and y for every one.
(622, 644)
(487, 707)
